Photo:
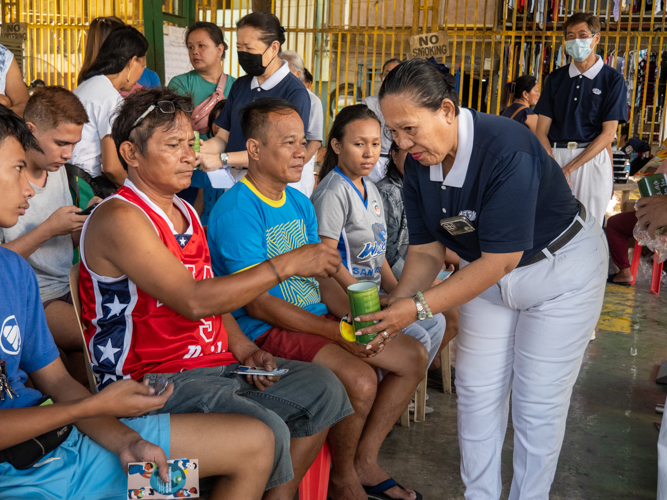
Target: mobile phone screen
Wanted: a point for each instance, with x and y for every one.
(88, 210)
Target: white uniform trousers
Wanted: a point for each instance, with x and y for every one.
(662, 459)
(526, 335)
(592, 183)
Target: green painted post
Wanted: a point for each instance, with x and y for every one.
(154, 33)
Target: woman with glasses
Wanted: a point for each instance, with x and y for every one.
(578, 114)
(259, 38)
(533, 266)
(207, 84)
(118, 66)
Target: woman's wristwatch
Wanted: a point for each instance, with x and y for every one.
(223, 158)
(421, 312)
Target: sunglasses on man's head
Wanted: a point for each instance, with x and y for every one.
(165, 107)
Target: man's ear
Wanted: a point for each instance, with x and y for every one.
(129, 153)
(31, 127)
(252, 145)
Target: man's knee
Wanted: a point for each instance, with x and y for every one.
(415, 357)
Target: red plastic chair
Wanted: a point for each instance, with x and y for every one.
(315, 483)
(656, 276)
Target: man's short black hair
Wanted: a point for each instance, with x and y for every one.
(255, 116)
(11, 125)
(135, 105)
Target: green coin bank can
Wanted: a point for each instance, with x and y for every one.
(364, 299)
(196, 144)
(653, 184)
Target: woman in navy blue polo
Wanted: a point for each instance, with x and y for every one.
(531, 284)
(259, 38)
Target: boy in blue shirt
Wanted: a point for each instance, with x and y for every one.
(70, 444)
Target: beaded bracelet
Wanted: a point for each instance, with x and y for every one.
(429, 314)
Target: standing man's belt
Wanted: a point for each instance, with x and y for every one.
(570, 145)
(559, 243)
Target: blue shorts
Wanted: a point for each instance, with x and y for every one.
(80, 468)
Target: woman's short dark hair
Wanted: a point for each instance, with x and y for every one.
(423, 82)
(255, 116)
(11, 125)
(134, 106)
(346, 116)
(307, 76)
(118, 49)
(214, 33)
(523, 84)
(267, 24)
(217, 109)
(392, 170)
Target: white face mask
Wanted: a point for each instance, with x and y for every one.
(579, 49)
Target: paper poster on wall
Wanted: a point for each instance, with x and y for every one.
(176, 60)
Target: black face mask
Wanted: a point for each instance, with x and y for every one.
(252, 63)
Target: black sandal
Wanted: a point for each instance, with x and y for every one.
(377, 492)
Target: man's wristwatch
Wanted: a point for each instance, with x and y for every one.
(421, 312)
(223, 158)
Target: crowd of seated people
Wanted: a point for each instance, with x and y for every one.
(163, 296)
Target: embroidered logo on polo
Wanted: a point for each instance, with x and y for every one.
(376, 208)
(597, 91)
(470, 214)
(10, 336)
(376, 247)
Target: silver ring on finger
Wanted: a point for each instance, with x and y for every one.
(385, 335)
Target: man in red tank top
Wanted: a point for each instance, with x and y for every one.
(151, 306)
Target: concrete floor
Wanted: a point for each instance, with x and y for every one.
(609, 451)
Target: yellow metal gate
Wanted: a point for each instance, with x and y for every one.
(345, 42)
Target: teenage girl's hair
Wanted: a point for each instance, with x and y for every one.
(217, 109)
(214, 33)
(423, 82)
(98, 31)
(392, 170)
(516, 88)
(118, 49)
(346, 116)
(267, 24)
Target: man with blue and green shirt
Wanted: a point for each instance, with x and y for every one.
(261, 217)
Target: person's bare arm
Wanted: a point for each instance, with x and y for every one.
(123, 241)
(600, 143)
(15, 89)
(209, 156)
(334, 297)
(462, 287)
(110, 163)
(63, 221)
(311, 150)
(542, 131)
(343, 276)
(531, 122)
(74, 404)
(387, 279)
(286, 316)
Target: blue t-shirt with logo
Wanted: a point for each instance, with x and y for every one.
(357, 222)
(246, 228)
(26, 343)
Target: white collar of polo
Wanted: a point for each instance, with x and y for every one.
(273, 80)
(590, 73)
(457, 175)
